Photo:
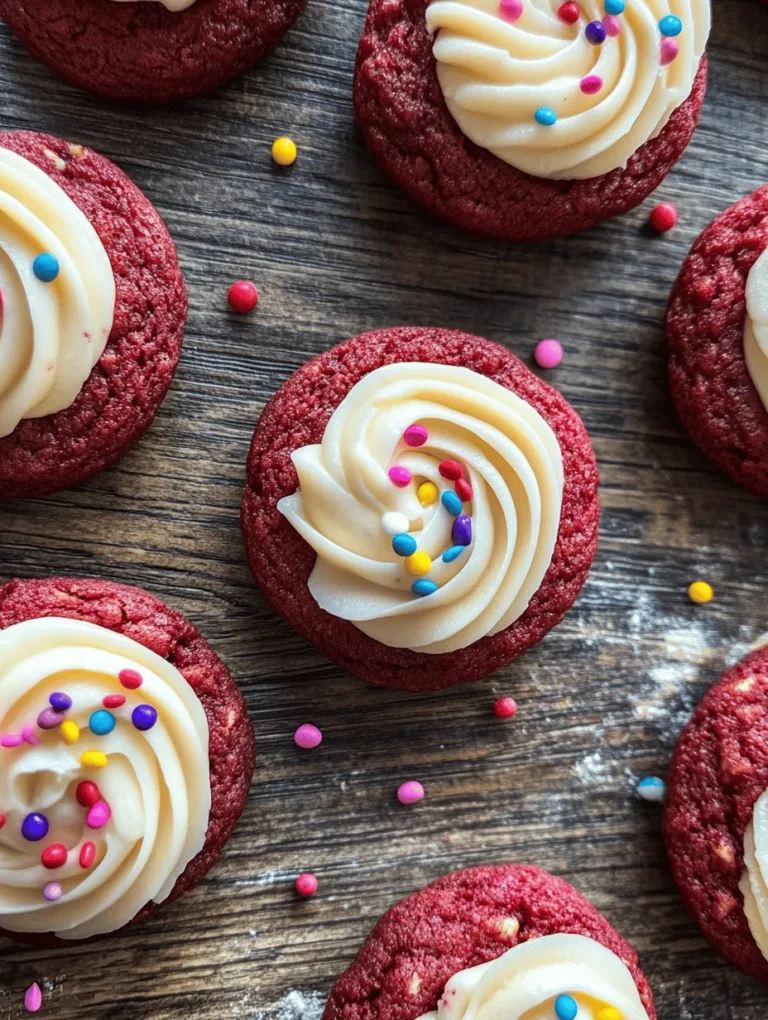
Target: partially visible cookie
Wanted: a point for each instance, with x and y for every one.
(97, 334)
(109, 672)
(146, 49)
(556, 944)
(718, 346)
(445, 524)
(716, 808)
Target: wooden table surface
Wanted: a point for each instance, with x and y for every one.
(335, 250)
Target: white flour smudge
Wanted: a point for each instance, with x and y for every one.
(295, 1005)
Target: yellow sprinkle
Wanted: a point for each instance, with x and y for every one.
(418, 564)
(93, 760)
(427, 493)
(700, 592)
(70, 731)
(608, 1013)
(284, 151)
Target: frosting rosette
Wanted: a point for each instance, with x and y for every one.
(560, 100)
(55, 321)
(104, 778)
(756, 327)
(433, 503)
(529, 981)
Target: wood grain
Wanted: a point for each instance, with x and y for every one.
(335, 250)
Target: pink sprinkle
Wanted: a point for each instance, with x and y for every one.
(410, 792)
(400, 476)
(415, 435)
(28, 734)
(548, 353)
(306, 884)
(308, 736)
(11, 740)
(669, 51)
(53, 892)
(591, 85)
(505, 708)
(511, 10)
(33, 998)
(130, 678)
(114, 701)
(612, 25)
(99, 815)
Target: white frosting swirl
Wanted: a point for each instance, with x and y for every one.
(52, 333)
(156, 782)
(171, 5)
(525, 982)
(754, 881)
(495, 74)
(510, 457)
(756, 327)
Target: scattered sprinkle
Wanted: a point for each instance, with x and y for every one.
(669, 51)
(545, 116)
(505, 708)
(70, 731)
(33, 998)
(651, 788)
(394, 522)
(306, 884)
(548, 353)
(418, 564)
(284, 151)
(93, 760)
(510, 10)
(569, 13)
(608, 1013)
(566, 1008)
(54, 856)
(28, 735)
(11, 740)
(34, 827)
(87, 793)
(60, 702)
(415, 435)
(48, 719)
(102, 722)
(99, 815)
(410, 792)
(144, 717)
(404, 544)
(114, 701)
(87, 855)
(308, 736)
(423, 587)
(614, 6)
(243, 296)
(670, 26)
(463, 490)
(453, 553)
(663, 217)
(591, 85)
(130, 679)
(428, 493)
(596, 32)
(461, 532)
(450, 469)
(2, 821)
(53, 892)
(612, 26)
(46, 267)
(400, 476)
(451, 502)
(701, 592)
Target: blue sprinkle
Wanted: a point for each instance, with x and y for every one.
(451, 502)
(453, 553)
(102, 722)
(670, 25)
(403, 544)
(651, 788)
(545, 115)
(423, 587)
(614, 7)
(565, 1007)
(46, 267)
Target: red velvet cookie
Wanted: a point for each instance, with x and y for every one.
(460, 921)
(718, 772)
(144, 619)
(119, 399)
(408, 127)
(282, 561)
(144, 51)
(713, 392)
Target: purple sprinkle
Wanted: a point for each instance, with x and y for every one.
(461, 532)
(34, 827)
(53, 892)
(60, 702)
(144, 717)
(595, 32)
(49, 719)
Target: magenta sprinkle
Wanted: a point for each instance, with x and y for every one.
(415, 435)
(669, 51)
(400, 476)
(33, 998)
(308, 736)
(28, 735)
(612, 25)
(99, 815)
(510, 10)
(410, 792)
(53, 892)
(591, 85)
(49, 719)
(11, 740)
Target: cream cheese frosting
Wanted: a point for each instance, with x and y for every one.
(754, 880)
(155, 781)
(525, 982)
(608, 99)
(171, 5)
(756, 327)
(483, 580)
(52, 333)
